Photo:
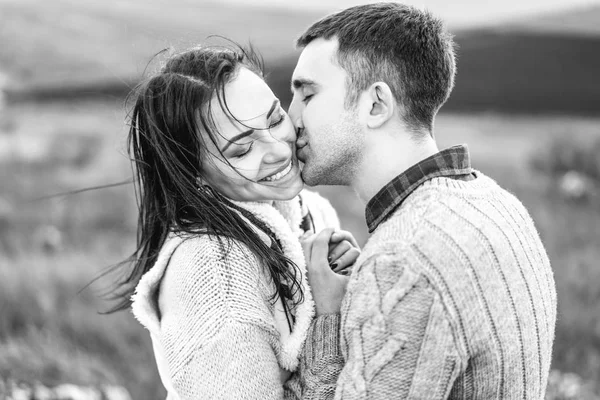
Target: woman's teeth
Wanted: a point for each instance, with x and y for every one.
(279, 175)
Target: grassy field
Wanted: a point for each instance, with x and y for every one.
(52, 248)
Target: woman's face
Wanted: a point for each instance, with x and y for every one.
(262, 150)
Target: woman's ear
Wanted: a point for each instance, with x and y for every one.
(379, 104)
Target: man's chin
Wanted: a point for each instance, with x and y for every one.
(310, 179)
(304, 179)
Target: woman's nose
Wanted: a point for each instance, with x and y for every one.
(285, 132)
(275, 150)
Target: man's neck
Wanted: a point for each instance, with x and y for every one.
(386, 158)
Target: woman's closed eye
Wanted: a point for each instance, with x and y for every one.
(279, 121)
(242, 153)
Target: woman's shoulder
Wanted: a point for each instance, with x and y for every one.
(210, 278)
(197, 255)
(192, 267)
(214, 264)
(205, 246)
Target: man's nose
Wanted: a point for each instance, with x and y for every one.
(295, 114)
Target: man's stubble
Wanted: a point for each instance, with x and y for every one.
(335, 160)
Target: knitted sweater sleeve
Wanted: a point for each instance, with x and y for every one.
(397, 339)
(216, 327)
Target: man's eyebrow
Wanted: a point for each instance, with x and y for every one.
(302, 82)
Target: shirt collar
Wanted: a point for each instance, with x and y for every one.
(453, 162)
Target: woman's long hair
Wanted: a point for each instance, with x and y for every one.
(167, 152)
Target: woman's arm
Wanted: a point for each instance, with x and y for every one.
(216, 326)
(237, 363)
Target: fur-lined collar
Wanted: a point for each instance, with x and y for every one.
(284, 218)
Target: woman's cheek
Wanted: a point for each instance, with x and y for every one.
(249, 168)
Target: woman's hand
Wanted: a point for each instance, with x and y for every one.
(328, 288)
(343, 252)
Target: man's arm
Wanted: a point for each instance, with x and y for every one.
(403, 349)
(400, 342)
(321, 363)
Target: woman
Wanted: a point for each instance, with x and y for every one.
(219, 274)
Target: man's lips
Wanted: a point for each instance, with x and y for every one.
(301, 142)
(299, 154)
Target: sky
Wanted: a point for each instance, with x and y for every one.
(455, 13)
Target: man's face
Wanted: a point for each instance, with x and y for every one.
(330, 138)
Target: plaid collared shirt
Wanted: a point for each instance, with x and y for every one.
(453, 162)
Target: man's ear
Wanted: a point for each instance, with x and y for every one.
(378, 104)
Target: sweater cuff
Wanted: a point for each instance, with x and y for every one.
(323, 339)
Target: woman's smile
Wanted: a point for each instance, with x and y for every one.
(279, 174)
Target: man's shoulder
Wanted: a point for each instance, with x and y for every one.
(402, 225)
(439, 200)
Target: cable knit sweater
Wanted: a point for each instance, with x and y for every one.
(215, 333)
(452, 297)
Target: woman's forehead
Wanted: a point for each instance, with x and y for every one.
(247, 97)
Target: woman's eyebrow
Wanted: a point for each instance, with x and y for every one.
(273, 106)
(236, 138)
(250, 131)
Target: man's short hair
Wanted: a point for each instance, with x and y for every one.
(405, 47)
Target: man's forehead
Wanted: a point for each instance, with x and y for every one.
(315, 61)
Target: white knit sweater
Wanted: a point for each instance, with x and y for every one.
(215, 333)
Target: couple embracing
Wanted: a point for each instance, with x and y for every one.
(247, 284)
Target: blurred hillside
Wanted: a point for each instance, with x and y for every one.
(85, 48)
(545, 64)
(71, 49)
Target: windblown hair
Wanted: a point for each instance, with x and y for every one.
(168, 151)
(398, 44)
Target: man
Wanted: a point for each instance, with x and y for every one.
(453, 295)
